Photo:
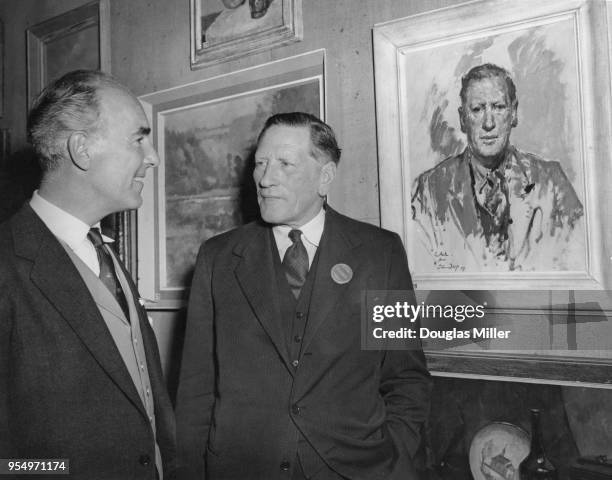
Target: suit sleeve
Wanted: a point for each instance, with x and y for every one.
(196, 390)
(405, 382)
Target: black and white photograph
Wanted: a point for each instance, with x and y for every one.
(306, 239)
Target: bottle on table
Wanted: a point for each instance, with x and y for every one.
(536, 465)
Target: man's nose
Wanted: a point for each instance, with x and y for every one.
(488, 122)
(268, 178)
(151, 158)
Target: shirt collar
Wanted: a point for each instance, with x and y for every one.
(312, 231)
(481, 172)
(62, 224)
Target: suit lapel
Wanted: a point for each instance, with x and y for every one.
(100, 293)
(462, 204)
(70, 296)
(336, 247)
(255, 274)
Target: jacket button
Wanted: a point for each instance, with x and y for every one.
(295, 409)
(144, 460)
(285, 465)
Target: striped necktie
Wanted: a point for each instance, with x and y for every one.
(108, 275)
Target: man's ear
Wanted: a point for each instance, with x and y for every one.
(461, 119)
(77, 149)
(326, 178)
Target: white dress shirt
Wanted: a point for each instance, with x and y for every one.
(69, 230)
(311, 236)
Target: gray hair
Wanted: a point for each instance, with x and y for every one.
(68, 104)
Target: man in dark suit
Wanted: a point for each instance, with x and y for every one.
(274, 383)
(80, 374)
(494, 207)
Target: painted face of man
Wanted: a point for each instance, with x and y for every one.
(487, 118)
(291, 182)
(121, 152)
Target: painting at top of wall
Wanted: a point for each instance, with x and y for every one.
(222, 30)
(226, 20)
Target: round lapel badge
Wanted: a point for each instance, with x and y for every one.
(341, 273)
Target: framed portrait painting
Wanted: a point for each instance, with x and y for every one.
(222, 30)
(494, 138)
(526, 89)
(205, 134)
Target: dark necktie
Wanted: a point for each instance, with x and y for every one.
(295, 263)
(107, 270)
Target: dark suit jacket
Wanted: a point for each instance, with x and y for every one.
(64, 389)
(238, 392)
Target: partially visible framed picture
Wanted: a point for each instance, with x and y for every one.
(79, 38)
(544, 223)
(205, 134)
(222, 30)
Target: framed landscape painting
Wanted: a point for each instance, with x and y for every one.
(205, 134)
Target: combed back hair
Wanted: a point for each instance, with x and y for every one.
(321, 135)
(66, 105)
(487, 70)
